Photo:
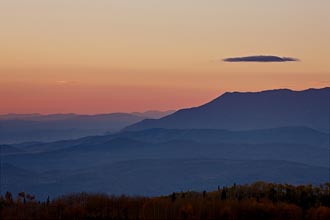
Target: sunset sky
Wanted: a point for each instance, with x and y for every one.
(101, 56)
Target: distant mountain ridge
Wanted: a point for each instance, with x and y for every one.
(15, 128)
(251, 110)
(50, 117)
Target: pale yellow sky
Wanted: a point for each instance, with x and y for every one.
(139, 46)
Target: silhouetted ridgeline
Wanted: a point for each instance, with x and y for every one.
(250, 111)
(242, 202)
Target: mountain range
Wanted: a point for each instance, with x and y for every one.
(15, 128)
(185, 150)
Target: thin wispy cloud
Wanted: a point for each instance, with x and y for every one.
(261, 59)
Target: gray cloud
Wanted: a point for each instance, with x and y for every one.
(261, 58)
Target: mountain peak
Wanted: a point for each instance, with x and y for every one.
(252, 110)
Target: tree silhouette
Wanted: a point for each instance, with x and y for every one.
(258, 201)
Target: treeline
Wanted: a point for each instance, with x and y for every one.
(264, 201)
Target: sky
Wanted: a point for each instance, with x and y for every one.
(102, 56)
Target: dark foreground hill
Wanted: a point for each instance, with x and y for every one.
(258, 201)
(252, 110)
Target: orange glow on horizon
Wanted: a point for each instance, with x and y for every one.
(109, 56)
(69, 96)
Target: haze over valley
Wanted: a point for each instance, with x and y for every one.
(278, 136)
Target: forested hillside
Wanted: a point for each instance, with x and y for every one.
(242, 202)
